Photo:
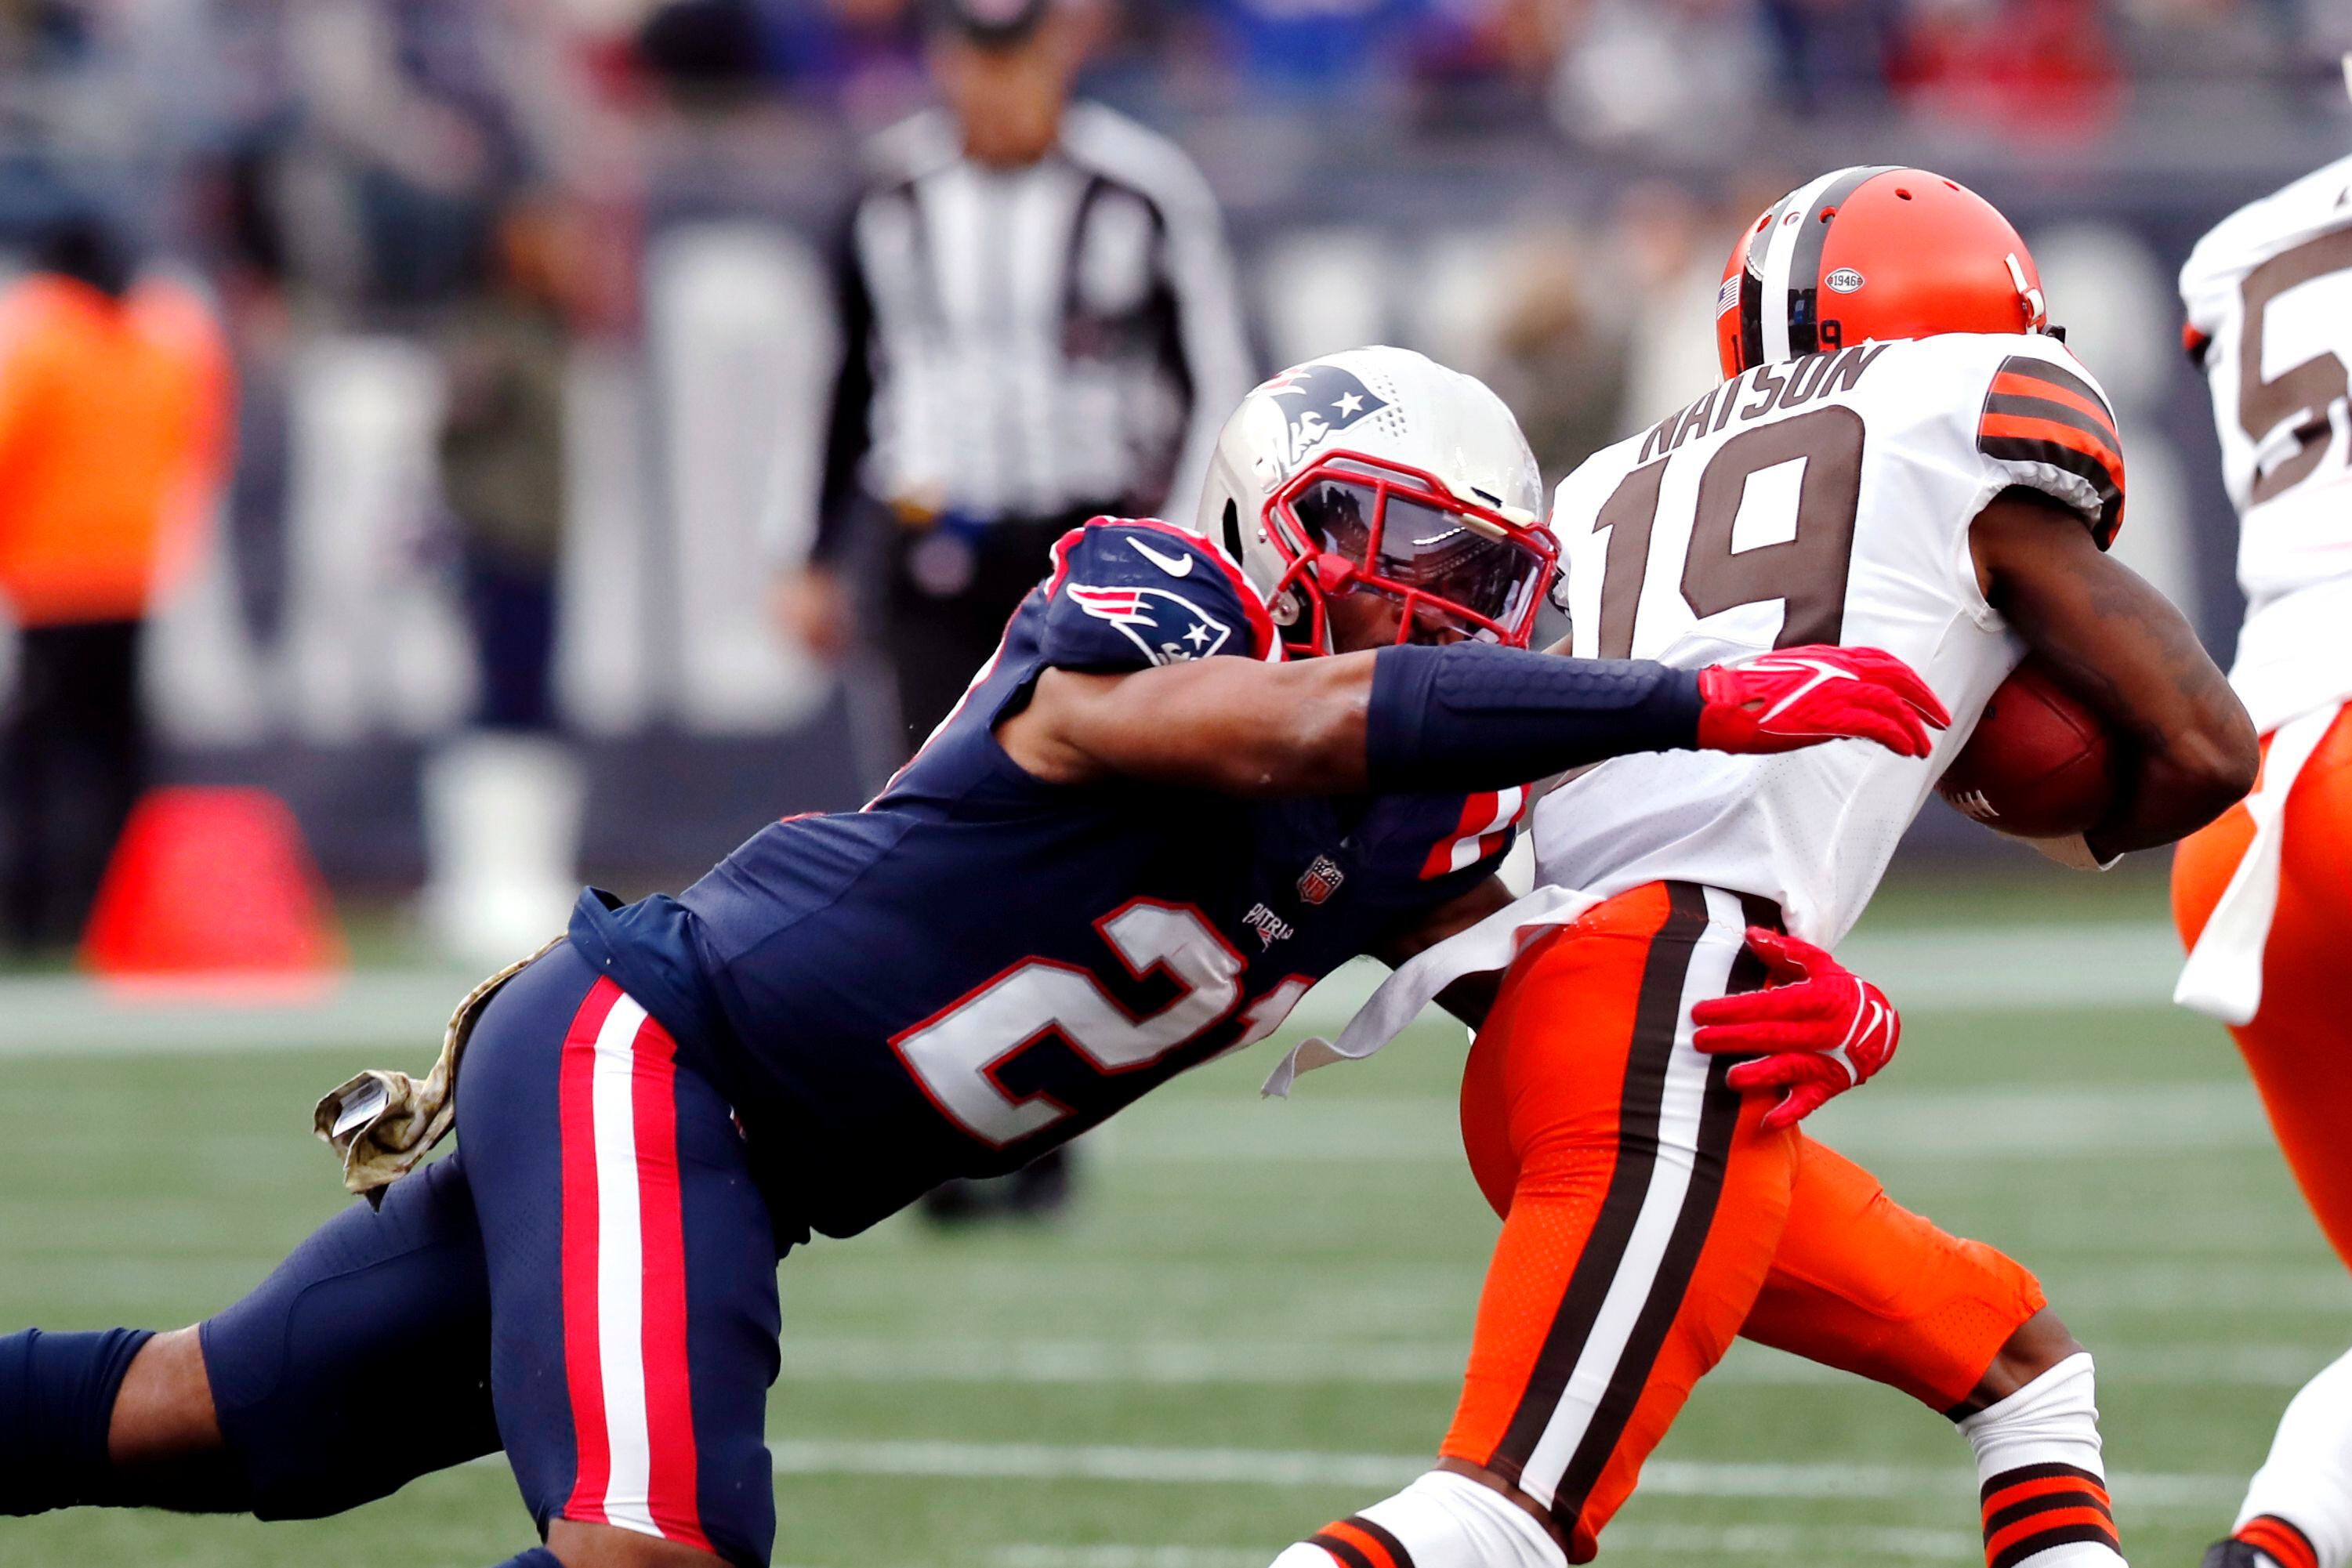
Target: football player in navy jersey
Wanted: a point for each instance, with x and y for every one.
(1191, 781)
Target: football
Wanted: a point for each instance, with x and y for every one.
(2039, 765)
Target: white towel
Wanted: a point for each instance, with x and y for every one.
(2223, 976)
(1490, 945)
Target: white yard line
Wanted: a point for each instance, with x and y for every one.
(2040, 968)
(1261, 1467)
(1034, 1555)
(1814, 1542)
(1189, 1364)
(2005, 1125)
(64, 1015)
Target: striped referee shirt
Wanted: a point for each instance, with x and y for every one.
(1032, 342)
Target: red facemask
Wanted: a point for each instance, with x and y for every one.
(1354, 524)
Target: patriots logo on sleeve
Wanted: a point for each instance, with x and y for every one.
(1167, 627)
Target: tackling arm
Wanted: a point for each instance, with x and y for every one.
(2122, 648)
(1468, 717)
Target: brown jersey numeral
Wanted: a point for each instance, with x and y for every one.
(2310, 388)
(1807, 571)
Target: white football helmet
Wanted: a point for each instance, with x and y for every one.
(1379, 469)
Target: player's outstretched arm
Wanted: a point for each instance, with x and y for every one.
(1469, 717)
(2122, 648)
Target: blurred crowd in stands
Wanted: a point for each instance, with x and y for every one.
(521, 296)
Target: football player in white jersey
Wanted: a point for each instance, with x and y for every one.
(2261, 895)
(1901, 455)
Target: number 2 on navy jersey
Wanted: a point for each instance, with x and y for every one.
(958, 1055)
(1806, 568)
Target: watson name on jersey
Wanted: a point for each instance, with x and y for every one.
(2269, 297)
(1822, 499)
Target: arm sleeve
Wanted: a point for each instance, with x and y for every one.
(1472, 717)
(2045, 424)
(1129, 595)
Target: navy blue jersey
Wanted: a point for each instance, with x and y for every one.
(980, 966)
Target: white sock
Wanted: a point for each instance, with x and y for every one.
(2307, 1479)
(1442, 1520)
(2043, 1484)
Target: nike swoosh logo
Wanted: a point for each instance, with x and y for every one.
(1173, 565)
(1822, 676)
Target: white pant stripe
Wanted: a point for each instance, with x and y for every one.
(1661, 1204)
(620, 1270)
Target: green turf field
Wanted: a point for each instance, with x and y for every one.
(1256, 1318)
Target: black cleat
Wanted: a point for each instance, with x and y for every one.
(2231, 1553)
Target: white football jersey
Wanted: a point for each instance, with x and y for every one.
(2269, 297)
(1825, 499)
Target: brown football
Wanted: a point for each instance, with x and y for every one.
(2038, 765)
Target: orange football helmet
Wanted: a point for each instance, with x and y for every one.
(1875, 251)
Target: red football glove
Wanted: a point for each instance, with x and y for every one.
(1816, 1031)
(1800, 697)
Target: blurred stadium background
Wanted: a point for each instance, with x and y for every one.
(1257, 1313)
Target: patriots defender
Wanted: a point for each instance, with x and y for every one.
(1900, 454)
(1149, 827)
(2261, 896)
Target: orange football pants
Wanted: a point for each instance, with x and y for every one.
(1648, 1218)
(2299, 1044)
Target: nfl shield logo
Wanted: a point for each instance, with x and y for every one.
(1320, 881)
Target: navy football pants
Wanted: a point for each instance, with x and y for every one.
(589, 1282)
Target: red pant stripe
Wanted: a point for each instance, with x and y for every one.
(594, 1465)
(669, 1405)
(626, 1366)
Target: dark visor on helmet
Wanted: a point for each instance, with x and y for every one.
(1425, 550)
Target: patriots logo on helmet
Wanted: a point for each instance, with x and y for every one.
(1167, 627)
(1318, 399)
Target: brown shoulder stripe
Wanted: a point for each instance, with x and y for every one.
(2059, 383)
(1398, 1556)
(1347, 1552)
(2021, 405)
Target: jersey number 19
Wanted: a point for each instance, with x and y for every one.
(1806, 570)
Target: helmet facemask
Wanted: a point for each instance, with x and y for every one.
(1459, 571)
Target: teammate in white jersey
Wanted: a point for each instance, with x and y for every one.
(2261, 895)
(1902, 455)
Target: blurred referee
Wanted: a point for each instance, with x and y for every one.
(1041, 325)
